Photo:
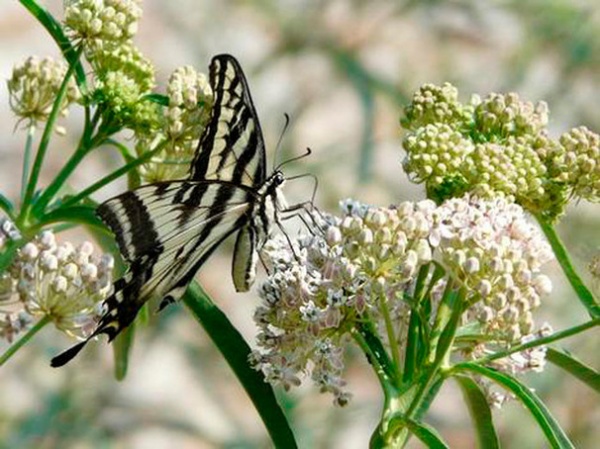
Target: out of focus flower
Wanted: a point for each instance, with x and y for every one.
(190, 101)
(368, 265)
(8, 231)
(34, 85)
(498, 146)
(102, 24)
(58, 281)
(576, 162)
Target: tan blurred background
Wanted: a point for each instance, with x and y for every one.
(342, 70)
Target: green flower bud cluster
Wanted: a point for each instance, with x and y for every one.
(190, 101)
(129, 61)
(436, 104)
(497, 146)
(34, 85)
(576, 162)
(59, 281)
(102, 24)
(365, 268)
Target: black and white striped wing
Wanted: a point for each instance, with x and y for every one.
(232, 147)
(166, 231)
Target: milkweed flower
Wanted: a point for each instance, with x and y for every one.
(34, 85)
(497, 146)
(101, 24)
(64, 283)
(366, 267)
(190, 101)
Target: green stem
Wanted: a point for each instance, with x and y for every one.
(6, 206)
(27, 160)
(83, 149)
(44, 142)
(114, 175)
(444, 346)
(585, 295)
(374, 360)
(24, 339)
(236, 352)
(539, 342)
(391, 335)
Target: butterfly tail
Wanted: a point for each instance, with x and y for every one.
(65, 357)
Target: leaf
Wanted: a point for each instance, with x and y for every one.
(236, 351)
(427, 434)
(573, 366)
(554, 433)
(562, 256)
(121, 349)
(480, 412)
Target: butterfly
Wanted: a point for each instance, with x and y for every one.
(166, 231)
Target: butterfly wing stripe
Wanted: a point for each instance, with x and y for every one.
(127, 215)
(233, 132)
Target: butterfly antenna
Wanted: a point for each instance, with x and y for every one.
(278, 147)
(308, 152)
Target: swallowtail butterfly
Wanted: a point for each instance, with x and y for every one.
(167, 230)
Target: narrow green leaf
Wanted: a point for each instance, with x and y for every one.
(236, 351)
(6, 205)
(554, 433)
(427, 434)
(121, 349)
(583, 293)
(584, 373)
(480, 412)
(429, 397)
(55, 30)
(75, 214)
(162, 100)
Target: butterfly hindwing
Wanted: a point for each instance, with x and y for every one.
(165, 231)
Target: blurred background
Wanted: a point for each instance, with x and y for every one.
(342, 70)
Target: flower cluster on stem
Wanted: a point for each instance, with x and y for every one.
(497, 146)
(54, 280)
(34, 85)
(373, 265)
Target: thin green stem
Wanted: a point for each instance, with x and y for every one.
(82, 150)
(24, 339)
(585, 295)
(442, 351)
(539, 341)
(27, 159)
(44, 142)
(391, 335)
(371, 354)
(114, 175)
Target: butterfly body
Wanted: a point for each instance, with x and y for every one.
(167, 230)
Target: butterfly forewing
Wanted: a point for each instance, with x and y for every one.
(232, 147)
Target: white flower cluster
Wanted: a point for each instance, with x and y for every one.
(497, 254)
(33, 87)
(64, 283)
(366, 266)
(190, 101)
(102, 23)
